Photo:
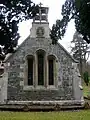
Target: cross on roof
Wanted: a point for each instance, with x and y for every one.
(40, 14)
(40, 4)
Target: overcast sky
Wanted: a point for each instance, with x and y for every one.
(54, 14)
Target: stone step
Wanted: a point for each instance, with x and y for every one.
(26, 107)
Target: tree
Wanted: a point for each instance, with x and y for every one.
(11, 13)
(80, 51)
(86, 77)
(79, 10)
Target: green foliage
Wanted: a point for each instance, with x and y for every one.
(86, 90)
(80, 48)
(79, 10)
(86, 77)
(11, 13)
(79, 51)
(86, 105)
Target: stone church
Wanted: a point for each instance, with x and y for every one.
(40, 73)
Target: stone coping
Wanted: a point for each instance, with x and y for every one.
(62, 102)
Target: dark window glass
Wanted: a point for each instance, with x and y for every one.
(30, 71)
(51, 73)
(40, 69)
(1, 71)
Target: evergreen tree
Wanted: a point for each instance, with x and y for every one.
(11, 13)
(80, 50)
(86, 77)
(79, 10)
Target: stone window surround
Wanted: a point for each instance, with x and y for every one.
(35, 73)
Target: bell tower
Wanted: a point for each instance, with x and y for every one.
(40, 26)
(42, 15)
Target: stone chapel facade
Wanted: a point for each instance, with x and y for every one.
(40, 72)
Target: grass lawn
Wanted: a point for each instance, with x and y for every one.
(74, 115)
(86, 89)
(61, 115)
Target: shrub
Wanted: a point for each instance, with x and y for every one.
(86, 105)
(86, 77)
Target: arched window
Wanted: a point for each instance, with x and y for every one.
(51, 69)
(30, 61)
(41, 70)
(41, 66)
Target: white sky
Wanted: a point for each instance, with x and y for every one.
(55, 7)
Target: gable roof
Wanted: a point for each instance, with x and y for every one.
(67, 53)
(10, 54)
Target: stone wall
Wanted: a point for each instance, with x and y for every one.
(3, 87)
(16, 66)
